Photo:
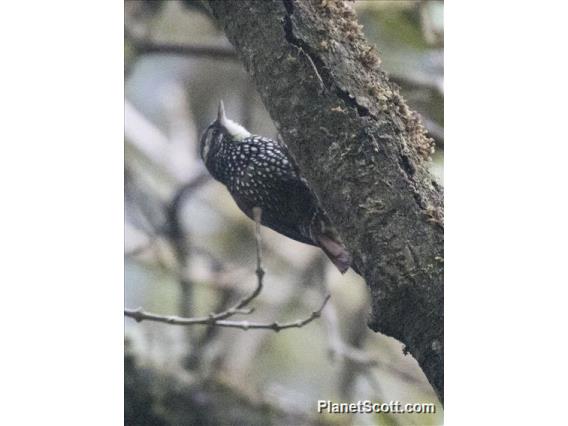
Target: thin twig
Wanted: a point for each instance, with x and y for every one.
(257, 214)
(219, 319)
(140, 315)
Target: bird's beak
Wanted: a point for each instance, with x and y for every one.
(221, 117)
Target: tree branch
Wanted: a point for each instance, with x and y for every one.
(214, 319)
(148, 46)
(196, 50)
(363, 151)
(240, 308)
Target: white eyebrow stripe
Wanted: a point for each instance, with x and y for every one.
(236, 131)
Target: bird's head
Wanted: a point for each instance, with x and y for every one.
(219, 131)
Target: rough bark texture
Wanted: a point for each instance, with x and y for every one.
(360, 148)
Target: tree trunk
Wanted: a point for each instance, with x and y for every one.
(363, 151)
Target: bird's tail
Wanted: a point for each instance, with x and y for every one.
(336, 252)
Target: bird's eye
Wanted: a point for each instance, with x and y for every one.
(211, 137)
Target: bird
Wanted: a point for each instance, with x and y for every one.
(260, 172)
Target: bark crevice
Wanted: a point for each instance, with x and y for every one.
(318, 63)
